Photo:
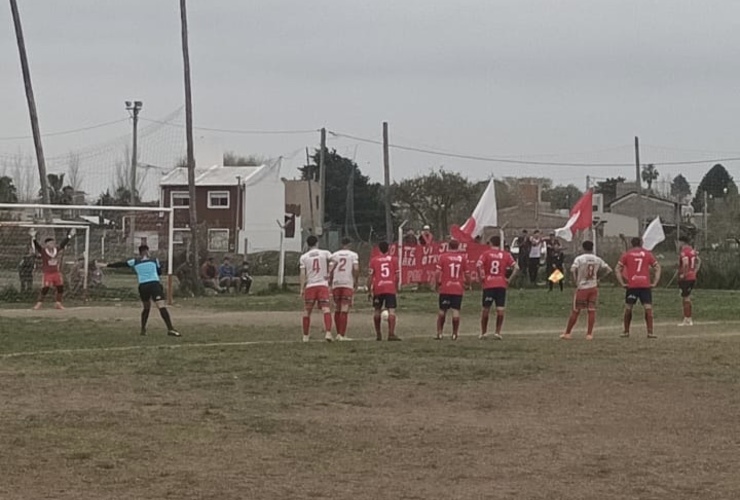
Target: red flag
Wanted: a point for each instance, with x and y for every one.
(581, 217)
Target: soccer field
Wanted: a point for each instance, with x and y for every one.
(241, 408)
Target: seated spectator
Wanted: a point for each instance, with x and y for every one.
(209, 275)
(227, 275)
(245, 280)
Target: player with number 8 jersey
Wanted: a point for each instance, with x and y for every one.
(345, 267)
(314, 266)
(383, 281)
(493, 268)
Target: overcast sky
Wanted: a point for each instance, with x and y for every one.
(538, 79)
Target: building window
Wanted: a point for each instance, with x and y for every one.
(179, 199)
(218, 199)
(218, 240)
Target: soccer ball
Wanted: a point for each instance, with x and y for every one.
(384, 315)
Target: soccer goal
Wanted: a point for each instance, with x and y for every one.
(104, 234)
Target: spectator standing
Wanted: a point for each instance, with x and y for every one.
(426, 237)
(245, 279)
(535, 254)
(525, 245)
(227, 275)
(409, 239)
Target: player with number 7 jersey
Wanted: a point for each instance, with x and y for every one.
(383, 280)
(634, 273)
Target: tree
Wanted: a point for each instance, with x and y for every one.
(73, 172)
(562, 197)
(608, 188)
(8, 193)
(717, 183)
(649, 174)
(680, 188)
(438, 198)
(369, 209)
(231, 159)
(59, 194)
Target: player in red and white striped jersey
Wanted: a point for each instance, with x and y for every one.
(315, 285)
(688, 265)
(345, 268)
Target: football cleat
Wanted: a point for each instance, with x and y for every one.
(38, 306)
(625, 335)
(589, 337)
(142, 332)
(306, 338)
(566, 336)
(343, 338)
(483, 336)
(58, 306)
(652, 336)
(393, 338)
(328, 337)
(497, 336)
(173, 333)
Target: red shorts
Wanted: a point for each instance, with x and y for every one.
(52, 280)
(343, 296)
(315, 294)
(586, 299)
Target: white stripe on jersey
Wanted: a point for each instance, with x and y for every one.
(316, 264)
(345, 261)
(588, 266)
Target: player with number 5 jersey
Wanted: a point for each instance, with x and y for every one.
(345, 268)
(585, 270)
(314, 266)
(383, 282)
(634, 273)
(493, 268)
(451, 280)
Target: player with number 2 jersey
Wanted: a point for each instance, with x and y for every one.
(345, 267)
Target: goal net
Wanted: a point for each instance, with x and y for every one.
(104, 234)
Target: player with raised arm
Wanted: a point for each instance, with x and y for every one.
(493, 266)
(688, 265)
(148, 271)
(382, 287)
(585, 271)
(51, 266)
(635, 267)
(451, 280)
(315, 286)
(345, 269)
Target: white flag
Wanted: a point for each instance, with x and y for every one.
(485, 214)
(653, 234)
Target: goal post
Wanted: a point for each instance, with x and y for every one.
(109, 233)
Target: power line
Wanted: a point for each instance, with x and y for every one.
(65, 132)
(523, 162)
(237, 131)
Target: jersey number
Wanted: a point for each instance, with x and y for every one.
(639, 264)
(495, 268)
(455, 270)
(385, 270)
(590, 272)
(316, 266)
(342, 265)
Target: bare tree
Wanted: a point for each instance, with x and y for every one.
(23, 180)
(74, 176)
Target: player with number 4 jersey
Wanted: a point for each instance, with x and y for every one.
(451, 280)
(314, 266)
(383, 281)
(493, 269)
(345, 267)
(585, 271)
(688, 265)
(634, 273)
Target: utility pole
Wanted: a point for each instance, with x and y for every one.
(706, 219)
(31, 105)
(194, 260)
(639, 187)
(311, 201)
(322, 182)
(588, 182)
(134, 108)
(387, 172)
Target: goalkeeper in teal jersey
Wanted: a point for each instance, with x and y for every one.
(150, 288)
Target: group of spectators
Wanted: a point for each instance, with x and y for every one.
(225, 277)
(425, 237)
(532, 251)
